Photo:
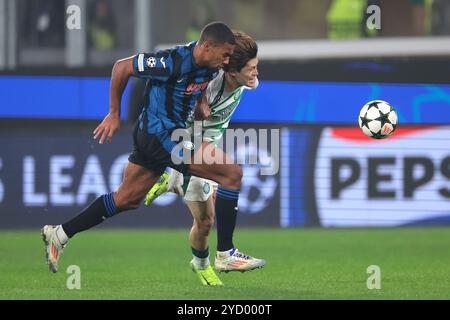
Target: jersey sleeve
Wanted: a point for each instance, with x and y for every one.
(156, 66)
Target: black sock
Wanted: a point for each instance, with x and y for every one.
(226, 214)
(99, 210)
(202, 254)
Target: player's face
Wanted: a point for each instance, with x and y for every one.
(248, 74)
(218, 55)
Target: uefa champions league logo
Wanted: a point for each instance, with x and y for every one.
(256, 190)
(151, 62)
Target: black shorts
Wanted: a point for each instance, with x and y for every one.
(153, 151)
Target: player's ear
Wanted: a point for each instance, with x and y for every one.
(233, 73)
(207, 45)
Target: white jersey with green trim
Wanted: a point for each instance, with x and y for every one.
(222, 104)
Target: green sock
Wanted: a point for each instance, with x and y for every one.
(186, 181)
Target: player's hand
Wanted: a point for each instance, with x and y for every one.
(107, 128)
(202, 110)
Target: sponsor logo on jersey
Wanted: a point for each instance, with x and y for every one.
(224, 113)
(193, 87)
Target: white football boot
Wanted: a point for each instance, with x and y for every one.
(53, 246)
(234, 260)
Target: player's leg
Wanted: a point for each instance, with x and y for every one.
(137, 181)
(228, 258)
(203, 219)
(216, 166)
(228, 175)
(200, 203)
(135, 185)
(234, 260)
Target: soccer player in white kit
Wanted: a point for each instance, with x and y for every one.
(221, 99)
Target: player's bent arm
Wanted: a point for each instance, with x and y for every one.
(202, 110)
(121, 72)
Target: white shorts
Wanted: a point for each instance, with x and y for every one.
(199, 189)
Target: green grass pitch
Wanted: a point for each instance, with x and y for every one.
(301, 264)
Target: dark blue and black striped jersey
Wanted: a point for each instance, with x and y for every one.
(174, 84)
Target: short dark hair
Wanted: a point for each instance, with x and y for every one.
(245, 50)
(217, 33)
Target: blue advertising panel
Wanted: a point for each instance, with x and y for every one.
(273, 101)
(56, 97)
(340, 103)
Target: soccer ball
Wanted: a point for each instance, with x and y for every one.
(378, 119)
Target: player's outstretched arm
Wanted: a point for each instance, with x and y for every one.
(121, 72)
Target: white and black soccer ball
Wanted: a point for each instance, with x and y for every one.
(378, 119)
(151, 62)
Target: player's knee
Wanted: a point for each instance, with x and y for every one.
(234, 178)
(208, 223)
(239, 174)
(231, 178)
(204, 226)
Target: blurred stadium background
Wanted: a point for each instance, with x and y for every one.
(319, 64)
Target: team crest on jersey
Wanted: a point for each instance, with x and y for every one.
(206, 187)
(151, 62)
(192, 87)
(229, 110)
